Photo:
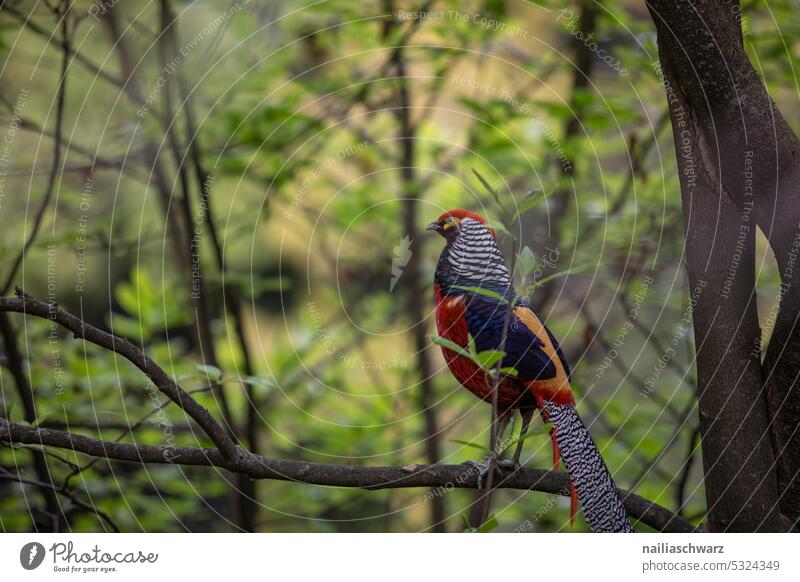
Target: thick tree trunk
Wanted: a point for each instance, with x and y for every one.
(413, 275)
(739, 168)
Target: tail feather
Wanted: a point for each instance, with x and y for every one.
(602, 506)
(573, 494)
(556, 452)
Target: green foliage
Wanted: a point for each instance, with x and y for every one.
(299, 123)
(485, 360)
(489, 525)
(151, 308)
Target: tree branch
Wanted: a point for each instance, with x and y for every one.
(51, 311)
(371, 478)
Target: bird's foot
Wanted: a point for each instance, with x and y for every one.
(509, 465)
(484, 467)
(483, 470)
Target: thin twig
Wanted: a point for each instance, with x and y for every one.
(76, 470)
(485, 502)
(27, 22)
(680, 491)
(196, 287)
(26, 304)
(61, 491)
(57, 142)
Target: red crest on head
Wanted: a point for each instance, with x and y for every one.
(461, 214)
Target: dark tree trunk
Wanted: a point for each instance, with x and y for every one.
(738, 161)
(412, 272)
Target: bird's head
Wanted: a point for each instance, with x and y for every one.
(449, 224)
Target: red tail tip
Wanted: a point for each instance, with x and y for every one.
(573, 503)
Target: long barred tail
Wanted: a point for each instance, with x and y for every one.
(602, 506)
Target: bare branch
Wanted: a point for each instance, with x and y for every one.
(57, 142)
(371, 478)
(30, 306)
(47, 35)
(4, 474)
(78, 469)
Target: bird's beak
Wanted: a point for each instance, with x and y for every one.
(434, 226)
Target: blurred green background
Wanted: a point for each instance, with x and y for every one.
(319, 139)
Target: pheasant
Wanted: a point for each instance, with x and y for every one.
(472, 261)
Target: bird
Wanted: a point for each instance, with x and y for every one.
(476, 303)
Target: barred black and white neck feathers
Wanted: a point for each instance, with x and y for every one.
(473, 259)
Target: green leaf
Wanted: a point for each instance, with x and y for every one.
(40, 419)
(490, 524)
(257, 381)
(488, 358)
(264, 384)
(545, 428)
(526, 262)
(532, 200)
(12, 413)
(564, 273)
(482, 291)
(486, 185)
(482, 448)
(475, 106)
(212, 372)
(509, 371)
(452, 346)
(485, 360)
(473, 349)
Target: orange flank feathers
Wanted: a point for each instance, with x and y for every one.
(555, 389)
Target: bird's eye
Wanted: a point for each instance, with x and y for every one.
(451, 220)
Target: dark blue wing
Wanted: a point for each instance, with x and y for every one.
(485, 320)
